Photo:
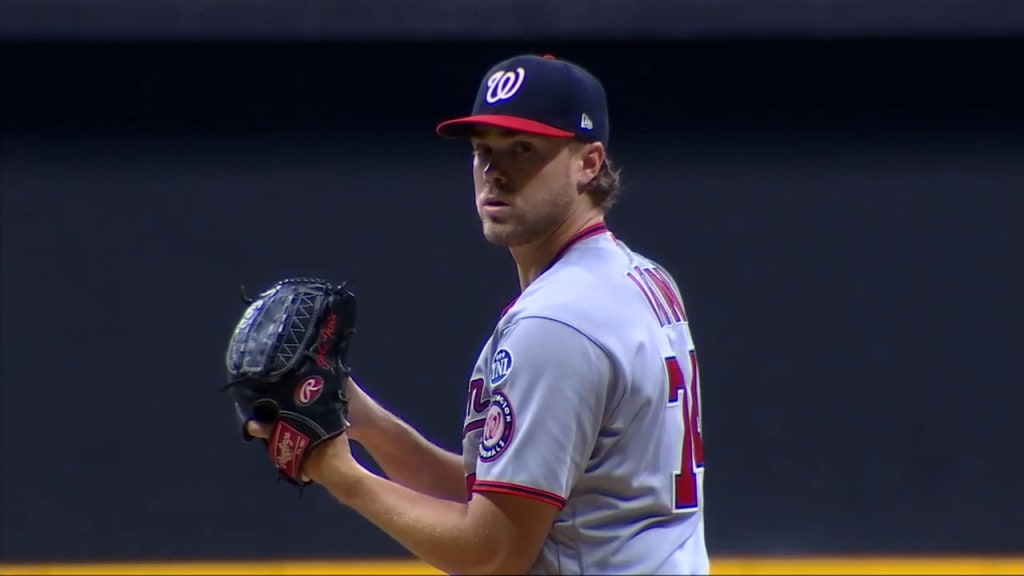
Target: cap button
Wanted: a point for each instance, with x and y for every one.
(549, 57)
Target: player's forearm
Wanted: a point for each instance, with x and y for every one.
(411, 460)
(440, 532)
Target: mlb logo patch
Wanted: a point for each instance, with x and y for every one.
(501, 365)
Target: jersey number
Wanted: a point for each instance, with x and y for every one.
(693, 446)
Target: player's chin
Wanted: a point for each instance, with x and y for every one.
(499, 233)
(505, 235)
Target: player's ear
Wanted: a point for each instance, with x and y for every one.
(590, 158)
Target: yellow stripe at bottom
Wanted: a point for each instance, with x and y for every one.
(739, 566)
(869, 565)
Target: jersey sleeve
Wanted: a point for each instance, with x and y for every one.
(548, 387)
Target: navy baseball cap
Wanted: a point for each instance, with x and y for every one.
(537, 95)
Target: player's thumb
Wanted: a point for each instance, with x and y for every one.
(257, 429)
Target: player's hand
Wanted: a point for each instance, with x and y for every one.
(360, 414)
(328, 462)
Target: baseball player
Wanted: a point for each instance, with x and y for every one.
(582, 447)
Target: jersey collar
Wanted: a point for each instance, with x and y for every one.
(588, 232)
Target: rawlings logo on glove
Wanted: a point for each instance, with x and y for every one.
(309, 390)
(287, 366)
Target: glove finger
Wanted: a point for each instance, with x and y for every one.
(265, 411)
(259, 422)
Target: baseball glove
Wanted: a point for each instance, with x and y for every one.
(287, 367)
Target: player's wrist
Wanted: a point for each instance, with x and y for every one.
(356, 433)
(342, 477)
(363, 412)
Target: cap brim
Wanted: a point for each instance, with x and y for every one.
(463, 127)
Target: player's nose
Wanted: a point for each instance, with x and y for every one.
(493, 174)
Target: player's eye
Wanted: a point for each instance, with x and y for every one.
(522, 148)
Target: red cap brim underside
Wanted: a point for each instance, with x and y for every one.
(463, 127)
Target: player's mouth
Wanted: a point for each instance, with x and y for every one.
(494, 208)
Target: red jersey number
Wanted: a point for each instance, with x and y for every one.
(687, 395)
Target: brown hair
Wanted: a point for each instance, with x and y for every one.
(604, 190)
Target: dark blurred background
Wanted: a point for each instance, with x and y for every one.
(837, 186)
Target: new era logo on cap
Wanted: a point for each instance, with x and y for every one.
(537, 95)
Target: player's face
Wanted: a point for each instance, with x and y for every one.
(525, 185)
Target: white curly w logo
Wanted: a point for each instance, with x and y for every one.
(503, 84)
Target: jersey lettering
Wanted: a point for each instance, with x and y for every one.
(661, 297)
(672, 300)
(475, 407)
(692, 457)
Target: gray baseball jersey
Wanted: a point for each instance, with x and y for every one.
(586, 397)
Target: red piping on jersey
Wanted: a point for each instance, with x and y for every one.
(509, 306)
(588, 232)
(518, 490)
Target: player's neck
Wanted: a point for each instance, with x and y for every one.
(534, 258)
